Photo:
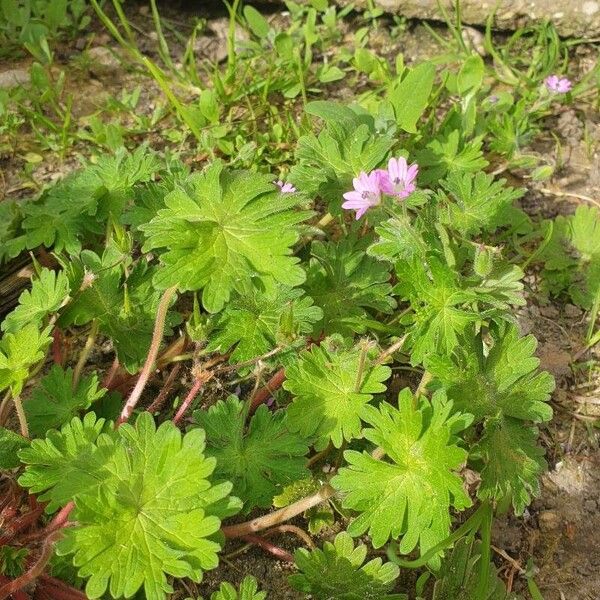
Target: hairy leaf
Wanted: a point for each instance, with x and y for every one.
(339, 571)
(248, 591)
(47, 294)
(260, 459)
(331, 388)
(258, 321)
(504, 391)
(411, 493)
(19, 351)
(346, 284)
(347, 145)
(151, 512)
(54, 400)
(235, 226)
(10, 444)
(472, 203)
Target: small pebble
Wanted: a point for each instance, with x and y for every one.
(572, 311)
(549, 520)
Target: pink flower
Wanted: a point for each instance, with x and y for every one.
(286, 188)
(366, 193)
(399, 179)
(559, 85)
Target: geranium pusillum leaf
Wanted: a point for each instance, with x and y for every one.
(339, 571)
(328, 398)
(248, 590)
(146, 508)
(260, 459)
(233, 227)
(503, 390)
(409, 494)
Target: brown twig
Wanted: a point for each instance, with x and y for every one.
(279, 516)
(157, 336)
(111, 373)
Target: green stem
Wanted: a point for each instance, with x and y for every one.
(486, 549)
(85, 353)
(231, 57)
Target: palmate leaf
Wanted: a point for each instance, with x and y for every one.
(234, 227)
(54, 401)
(11, 243)
(19, 351)
(258, 321)
(339, 571)
(67, 462)
(148, 511)
(346, 284)
(441, 303)
(248, 591)
(47, 294)
(348, 144)
(448, 153)
(76, 207)
(259, 460)
(330, 392)
(409, 495)
(504, 392)
(473, 202)
(10, 444)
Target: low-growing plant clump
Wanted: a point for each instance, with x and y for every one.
(339, 292)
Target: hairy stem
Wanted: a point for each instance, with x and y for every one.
(157, 335)
(20, 582)
(279, 516)
(198, 383)
(272, 385)
(165, 390)
(85, 353)
(300, 533)
(280, 553)
(21, 415)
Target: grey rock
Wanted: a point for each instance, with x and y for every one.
(13, 78)
(103, 61)
(573, 18)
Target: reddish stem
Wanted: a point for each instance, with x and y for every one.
(21, 523)
(20, 582)
(269, 547)
(263, 394)
(198, 383)
(61, 518)
(158, 402)
(18, 595)
(57, 347)
(157, 335)
(60, 587)
(111, 373)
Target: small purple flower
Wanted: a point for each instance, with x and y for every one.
(399, 179)
(558, 85)
(286, 188)
(366, 193)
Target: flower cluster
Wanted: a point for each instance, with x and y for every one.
(398, 181)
